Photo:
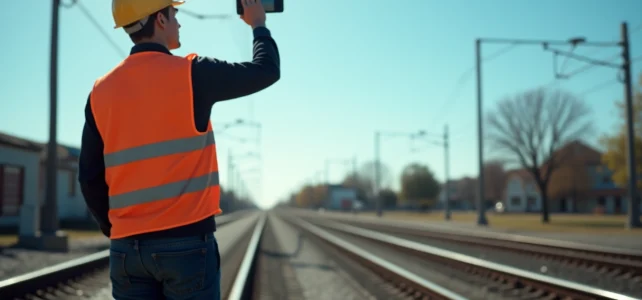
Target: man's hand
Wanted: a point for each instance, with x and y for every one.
(253, 13)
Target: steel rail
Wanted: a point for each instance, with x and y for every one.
(631, 254)
(242, 287)
(629, 263)
(378, 264)
(559, 287)
(18, 286)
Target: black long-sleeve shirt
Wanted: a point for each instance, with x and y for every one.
(213, 80)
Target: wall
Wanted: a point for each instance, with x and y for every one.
(601, 178)
(336, 194)
(30, 161)
(71, 206)
(453, 192)
(517, 195)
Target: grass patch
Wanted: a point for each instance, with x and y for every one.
(11, 239)
(579, 223)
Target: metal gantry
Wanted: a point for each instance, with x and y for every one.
(234, 181)
(633, 210)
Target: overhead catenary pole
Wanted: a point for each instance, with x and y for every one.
(633, 220)
(326, 172)
(230, 168)
(634, 203)
(481, 208)
(446, 175)
(377, 174)
(49, 224)
(354, 166)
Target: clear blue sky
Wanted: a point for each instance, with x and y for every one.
(348, 68)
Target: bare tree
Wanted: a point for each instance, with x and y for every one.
(531, 126)
(494, 179)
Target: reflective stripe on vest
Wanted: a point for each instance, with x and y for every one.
(168, 190)
(161, 172)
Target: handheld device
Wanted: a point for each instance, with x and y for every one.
(270, 6)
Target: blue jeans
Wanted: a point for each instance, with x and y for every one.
(172, 268)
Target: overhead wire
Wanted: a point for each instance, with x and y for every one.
(596, 88)
(590, 67)
(205, 16)
(466, 76)
(100, 29)
(605, 84)
(111, 41)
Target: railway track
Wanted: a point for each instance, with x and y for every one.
(603, 267)
(616, 262)
(504, 281)
(382, 253)
(89, 273)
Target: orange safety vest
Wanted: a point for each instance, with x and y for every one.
(161, 171)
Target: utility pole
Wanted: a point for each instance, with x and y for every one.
(481, 208)
(230, 168)
(326, 172)
(354, 166)
(447, 175)
(377, 174)
(634, 205)
(50, 237)
(237, 182)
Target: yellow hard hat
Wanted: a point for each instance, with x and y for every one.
(126, 12)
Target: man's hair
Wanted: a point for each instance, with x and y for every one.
(148, 29)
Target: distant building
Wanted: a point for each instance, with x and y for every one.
(340, 197)
(22, 180)
(19, 168)
(71, 204)
(521, 193)
(461, 193)
(589, 187)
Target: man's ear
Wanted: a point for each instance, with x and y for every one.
(160, 18)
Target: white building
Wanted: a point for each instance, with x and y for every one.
(19, 168)
(342, 198)
(521, 193)
(22, 183)
(71, 204)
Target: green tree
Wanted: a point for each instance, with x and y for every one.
(359, 183)
(311, 196)
(231, 202)
(615, 156)
(418, 183)
(529, 127)
(388, 198)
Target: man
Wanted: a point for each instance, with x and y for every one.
(148, 169)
